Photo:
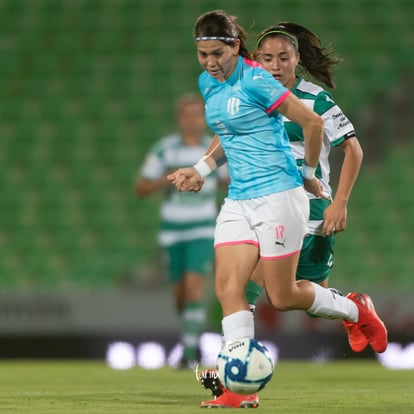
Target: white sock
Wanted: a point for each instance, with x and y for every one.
(238, 325)
(329, 304)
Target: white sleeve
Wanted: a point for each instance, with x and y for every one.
(153, 168)
(337, 125)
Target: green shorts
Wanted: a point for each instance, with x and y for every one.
(316, 258)
(190, 256)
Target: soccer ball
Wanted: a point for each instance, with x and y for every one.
(244, 366)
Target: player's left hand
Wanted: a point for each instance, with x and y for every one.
(335, 218)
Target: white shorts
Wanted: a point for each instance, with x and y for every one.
(276, 223)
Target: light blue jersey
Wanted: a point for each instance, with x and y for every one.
(240, 111)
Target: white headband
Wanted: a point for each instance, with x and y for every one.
(223, 38)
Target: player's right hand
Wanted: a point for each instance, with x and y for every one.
(314, 186)
(186, 179)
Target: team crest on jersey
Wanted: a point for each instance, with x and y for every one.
(233, 106)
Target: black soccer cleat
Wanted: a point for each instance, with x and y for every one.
(209, 380)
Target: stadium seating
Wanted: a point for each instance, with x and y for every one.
(88, 86)
(376, 249)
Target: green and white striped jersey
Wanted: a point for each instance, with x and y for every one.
(184, 215)
(337, 128)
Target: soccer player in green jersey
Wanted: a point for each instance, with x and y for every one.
(287, 50)
(187, 219)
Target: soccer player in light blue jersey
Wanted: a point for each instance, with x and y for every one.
(289, 52)
(266, 210)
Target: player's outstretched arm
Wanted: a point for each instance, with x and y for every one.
(335, 215)
(192, 178)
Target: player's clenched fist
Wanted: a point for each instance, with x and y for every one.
(186, 179)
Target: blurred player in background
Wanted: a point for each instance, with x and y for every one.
(187, 219)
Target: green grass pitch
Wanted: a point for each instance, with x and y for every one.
(60, 387)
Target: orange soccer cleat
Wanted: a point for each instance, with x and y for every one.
(230, 399)
(369, 328)
(222, 397)
(356, 338)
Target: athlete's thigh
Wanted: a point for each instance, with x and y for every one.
(236, 246)
(235, 264)
(280, 276)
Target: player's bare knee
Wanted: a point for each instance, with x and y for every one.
(223, 291)
(281, 303)
(226, 288)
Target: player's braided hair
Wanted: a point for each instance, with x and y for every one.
(314, 59)
(218, 24)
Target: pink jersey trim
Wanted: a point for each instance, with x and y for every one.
(251, 63)
(254, 64)
(235, 242)
(279, 257)
(278, 102)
